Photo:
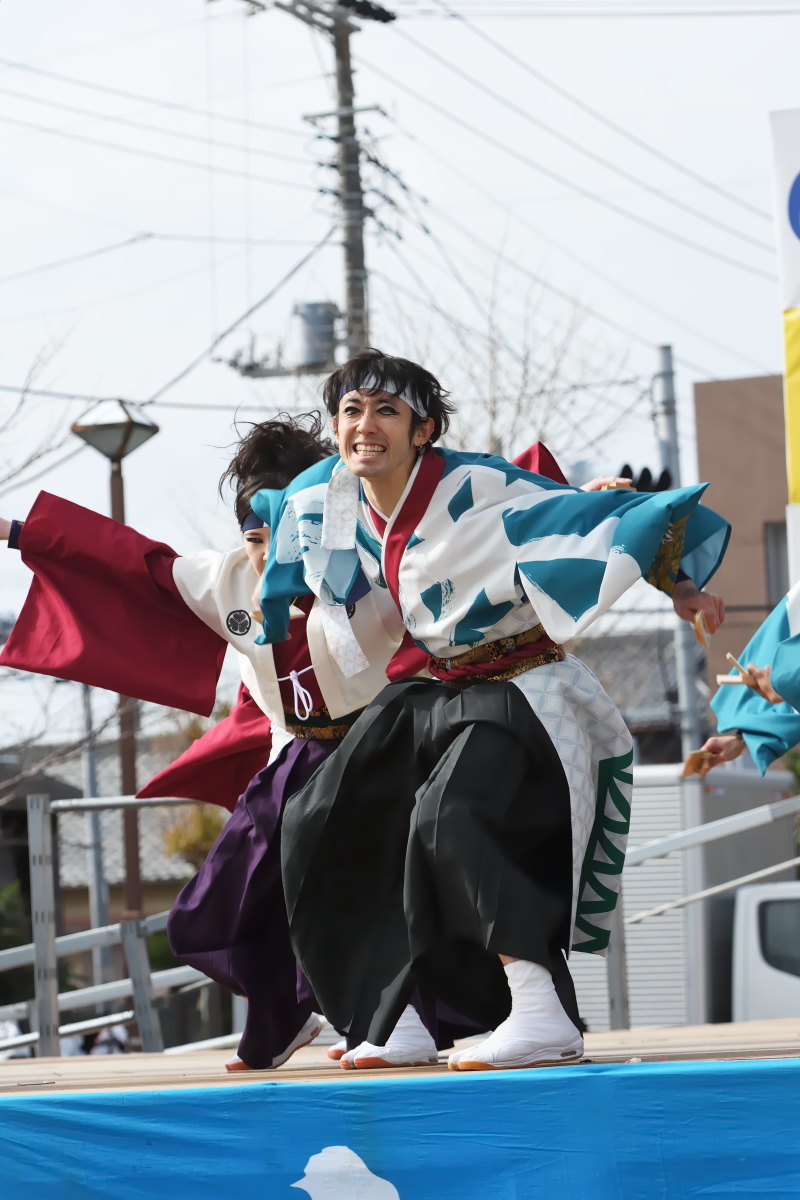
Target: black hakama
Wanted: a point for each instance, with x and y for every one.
(437, 837)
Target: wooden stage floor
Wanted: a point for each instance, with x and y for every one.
(205, 1068)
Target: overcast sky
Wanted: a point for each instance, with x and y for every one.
(591, 187)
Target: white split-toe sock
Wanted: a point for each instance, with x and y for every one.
(536, 1033)
(408, 1045)
(337, 1050)
(311, 1029)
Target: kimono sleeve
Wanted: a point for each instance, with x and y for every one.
(295, 518)
(785, 674)
(578, 552)
(103, 609)
(217, 767)
(770, 730)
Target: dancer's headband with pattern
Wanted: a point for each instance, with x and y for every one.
(372, 383)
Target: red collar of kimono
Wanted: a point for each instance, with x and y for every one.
(406, 520)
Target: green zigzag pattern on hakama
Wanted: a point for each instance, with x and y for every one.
(600, 875)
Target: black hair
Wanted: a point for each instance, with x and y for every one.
(393, 375)
(271, 454)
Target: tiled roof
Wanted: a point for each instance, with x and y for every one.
(156, 865)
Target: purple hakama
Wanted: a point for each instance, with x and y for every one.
(230, 920)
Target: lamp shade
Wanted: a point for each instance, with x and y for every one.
(115, 428)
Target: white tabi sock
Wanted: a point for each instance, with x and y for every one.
(337, 1049)
(409, 1044)
(537, 1031)
(311, 1030)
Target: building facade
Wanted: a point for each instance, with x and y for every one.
(741, 453)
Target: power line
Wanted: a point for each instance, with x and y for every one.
(554, 323)
(602, 118)
(233, 241)
(156, 397)
(142, 125)
(16, 317)
(200, 408)
(658, 192)
(75, 258)
(456, 325)
(150, 236)
(138, 96)
(555, 394)
(537, 279)
(585, 192)
(502, 8)
(85, 399)
(18, 483)
(240, 320)
(29, 391)
(586, 266)
(166, 158)
(579, 305)
(451, 268)
(550, 287)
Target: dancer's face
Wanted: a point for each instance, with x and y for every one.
(377, 442)
(256, 546)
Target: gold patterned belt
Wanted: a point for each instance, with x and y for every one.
(319, 725)
(496, 661)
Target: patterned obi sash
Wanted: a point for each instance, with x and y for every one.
(319, 724)
(495, 661)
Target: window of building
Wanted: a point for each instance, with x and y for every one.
(777, 560)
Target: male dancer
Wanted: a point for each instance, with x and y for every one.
(467, 831)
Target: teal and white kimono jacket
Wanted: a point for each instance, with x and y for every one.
(478, 550)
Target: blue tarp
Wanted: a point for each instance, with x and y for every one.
(657, 1131)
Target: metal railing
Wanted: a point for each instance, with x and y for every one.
(132, 933)
(687, 839)
(45, 950)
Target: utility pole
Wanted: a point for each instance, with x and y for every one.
(119, 428)
(667, 425)
(351, 196)
(336, 23)
(691, 725)
(128, 712)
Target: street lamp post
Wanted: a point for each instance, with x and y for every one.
(98, 889)
(116, 428)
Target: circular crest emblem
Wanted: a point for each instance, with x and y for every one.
(239, 622)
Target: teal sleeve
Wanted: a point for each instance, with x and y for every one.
(281, 581)
(785, 673)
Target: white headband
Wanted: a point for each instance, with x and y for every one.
(370, 383)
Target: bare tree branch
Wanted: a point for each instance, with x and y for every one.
(51, 440)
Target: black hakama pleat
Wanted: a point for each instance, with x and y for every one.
(437, 837)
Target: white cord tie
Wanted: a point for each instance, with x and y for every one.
(302, 697)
